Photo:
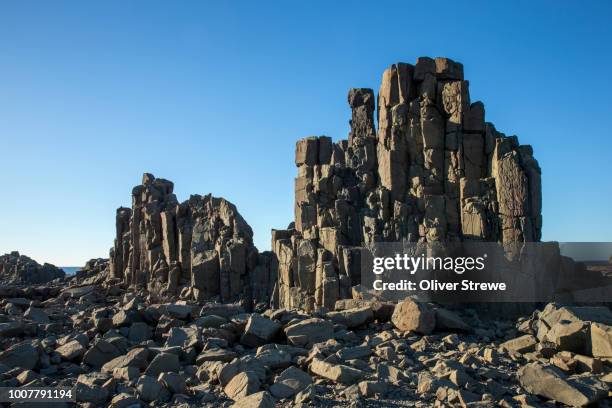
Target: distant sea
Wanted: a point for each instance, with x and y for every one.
(70, 270)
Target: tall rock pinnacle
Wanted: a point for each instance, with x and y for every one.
(201, 248)
(434, 171)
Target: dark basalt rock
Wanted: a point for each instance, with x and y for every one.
(433, 171)
(19, 269)
(201, 248)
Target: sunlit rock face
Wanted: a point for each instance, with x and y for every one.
(433, 171)
(201, 248)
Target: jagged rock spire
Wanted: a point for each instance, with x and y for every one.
(434, 170)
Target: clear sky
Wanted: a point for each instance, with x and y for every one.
(213, 96)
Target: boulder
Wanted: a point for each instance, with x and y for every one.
(36, 315)
(136, 357)
(601, 340)
(242, 385)
(174, 382)
(100, 353)
(71, 350)
(290, 382)
(140, 332)
(259, 331)
(412, 316)
(548, 382)
(309, 331)
(261, 399)
(163, 362)
(352, 318)
(24, 355)
(337, 373)
(523, 344)
(148, 388)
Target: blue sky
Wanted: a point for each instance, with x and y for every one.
(213, 96)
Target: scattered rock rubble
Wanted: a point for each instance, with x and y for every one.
(121, 348)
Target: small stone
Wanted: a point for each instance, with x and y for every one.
(24, 355)
(216, 354)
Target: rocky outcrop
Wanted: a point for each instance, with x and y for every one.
(201, 248)
(433, 171)
(16, 268)
(94, 271)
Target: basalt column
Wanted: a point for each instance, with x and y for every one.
(201, 248)
(433, 171)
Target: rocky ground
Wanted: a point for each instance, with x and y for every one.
(121, 348)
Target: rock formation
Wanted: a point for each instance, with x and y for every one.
(433, 171)
(16, 268)
(202, 247)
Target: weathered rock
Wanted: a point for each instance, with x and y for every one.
(36, 315)
(290, 382)
(242, 385)
(370, 389)
(202, 245)
(174, 382)
(216, 354)
(100, 353)
(163, 362)
(309, 331)
(24, 355)
(139, 332)
(352, 318)
(261, 399)
(90, 391)
(568, 336)
(259, 331)
(412, 316)
(149, 389)
(16, 268)
(71, 350)
(134, 358)
(413, 179)
(11, 329)
(550, 383)
(601, 340)
(521, 344)
(338, 373)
